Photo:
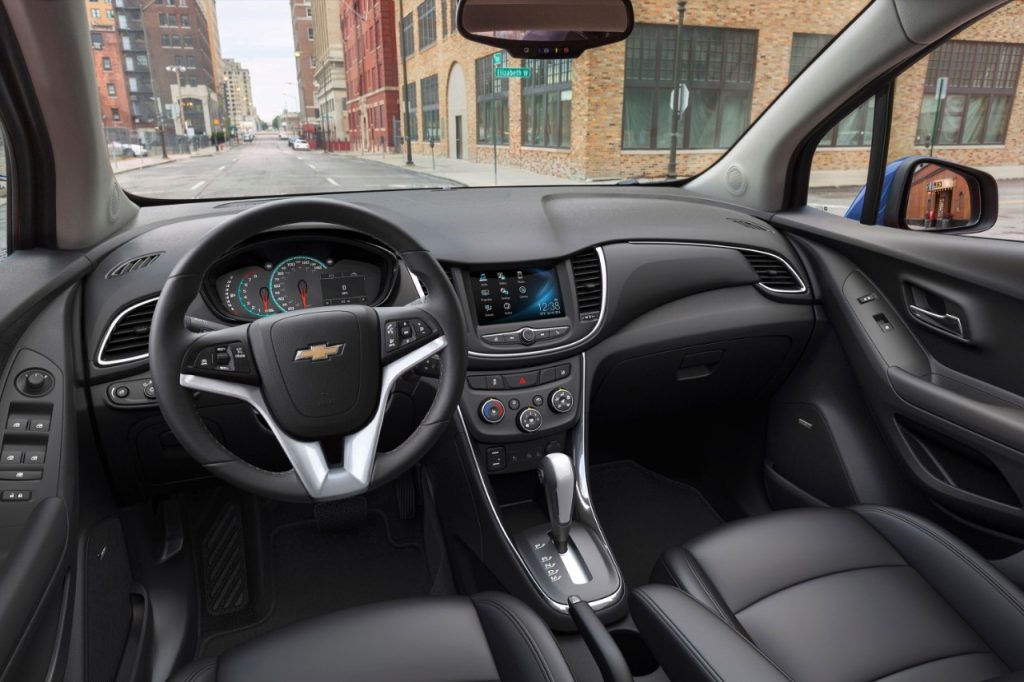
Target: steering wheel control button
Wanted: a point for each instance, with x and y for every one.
(149, 390)
(530, 420)
(520, 380)
(495, 458)
(492, 411)
(16, 495)
(537, 400)
(34, 383)
(401, 333)
(561, 400)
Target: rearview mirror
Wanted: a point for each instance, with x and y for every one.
(545, 29)
(939, 195)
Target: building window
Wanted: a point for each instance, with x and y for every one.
(190, 62)
(110, 14)
(312, 61)
(185, 21)
(172, 20)
(427, 19)
(982, 81)
(192, 81)
(547, 103)
(188, 41)
(855, 128)
(309, 32)
(95, 14)
(181, 3)
(491, 101)
(431, 109)
(717, 66)
(111, 89)
(408, 46)
(115, 114)
(162, 19)
(178, 60)
(107, 66)
(309, 11)
(97, 41)
(165, 40)
(126, 44)
(410, 97)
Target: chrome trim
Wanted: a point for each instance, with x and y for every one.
(110, 329)
(803, 287)
(569, 346)
(574, 566)
(416, 283)
(321, 481)
(934, 321)
(580, 460)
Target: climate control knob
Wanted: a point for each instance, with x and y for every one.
(530, 419)
(492, 411)
(560, 400)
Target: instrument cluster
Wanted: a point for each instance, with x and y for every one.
(278, 275)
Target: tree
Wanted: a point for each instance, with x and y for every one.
(276, 123)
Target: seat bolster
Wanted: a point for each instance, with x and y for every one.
(692, 643)
(987, 601)
(678, 567)
(202, 670)
(521, 644)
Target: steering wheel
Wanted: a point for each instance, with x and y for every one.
(320, 378)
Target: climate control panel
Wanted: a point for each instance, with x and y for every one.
(515, 406)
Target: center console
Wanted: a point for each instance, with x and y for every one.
(522, 416)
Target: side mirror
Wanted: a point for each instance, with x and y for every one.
(941, 196)
(545, 29)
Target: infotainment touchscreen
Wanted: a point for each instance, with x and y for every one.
(516, 295)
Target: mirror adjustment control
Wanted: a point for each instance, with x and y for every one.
(492, 411)
(561, 400)
(34, 383)
(530, 419)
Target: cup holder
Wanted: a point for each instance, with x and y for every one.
(634, 649)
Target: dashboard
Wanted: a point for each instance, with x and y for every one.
(275, 275)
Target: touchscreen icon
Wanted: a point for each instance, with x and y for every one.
(485, 292)
(504, 291)
(508, 306)
(501, 276)
(483, 276)
(522, 290)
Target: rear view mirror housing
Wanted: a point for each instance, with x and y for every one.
(937, 195)
(545, 29)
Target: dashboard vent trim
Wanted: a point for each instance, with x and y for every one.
(774, 274)
(133, 264)
(127, 336)
(589, 281)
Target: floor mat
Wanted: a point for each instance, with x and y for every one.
(316, 572)
(643, 513)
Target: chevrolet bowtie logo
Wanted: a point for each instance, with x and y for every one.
(319, 351)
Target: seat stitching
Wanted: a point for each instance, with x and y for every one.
(524, 633)
(680, 636)
(194, 675)
(933, 660)
(955, 551)
(697, 573)
(818, 577)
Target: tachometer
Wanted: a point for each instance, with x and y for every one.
(295, 283)
(246, 293)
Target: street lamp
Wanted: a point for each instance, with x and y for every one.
(405, 84)
(677, 97)
(177, 70)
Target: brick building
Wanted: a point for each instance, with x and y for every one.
(329, 70)
(303, 34)
(607, 114)
(108, 67)
(371, 73)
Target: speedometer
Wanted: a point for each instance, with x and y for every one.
(295, 283)
(246, 293)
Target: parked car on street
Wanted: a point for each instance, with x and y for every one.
(300, 145)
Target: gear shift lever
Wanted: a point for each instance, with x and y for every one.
(559, 481)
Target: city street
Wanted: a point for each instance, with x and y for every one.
(269, 166)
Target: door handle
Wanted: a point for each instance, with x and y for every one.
(945, 322)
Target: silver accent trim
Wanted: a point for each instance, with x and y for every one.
(110, 329)
(934, 321)
(574, 566)
(553, 350)
(583, 502)
(803, 287)
(307, 457)
(416, 284)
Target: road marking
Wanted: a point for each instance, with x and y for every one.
(331, 180)
(197, 185)
(221, 168)
(311, 166)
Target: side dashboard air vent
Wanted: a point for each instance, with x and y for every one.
(132, 265)
(127, 337)
(750, 224)
(586, 272)
(774, 274)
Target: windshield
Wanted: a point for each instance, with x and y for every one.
(231, 98)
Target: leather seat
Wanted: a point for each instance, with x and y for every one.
(867, 593)
(489, 636)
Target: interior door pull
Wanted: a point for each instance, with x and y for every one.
(950, 324)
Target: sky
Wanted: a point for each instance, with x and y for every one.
(258, 33)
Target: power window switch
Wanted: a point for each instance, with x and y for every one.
(35, 458)
(867, 298)
(39, 425)
(16, 495)
(17, 423)
(20, 475)
(11, 457)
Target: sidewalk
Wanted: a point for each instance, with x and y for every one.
(123, 164)
(468, 173)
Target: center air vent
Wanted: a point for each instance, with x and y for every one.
(127, 337)
(132, 265)
(774, 274)
(586, 272)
